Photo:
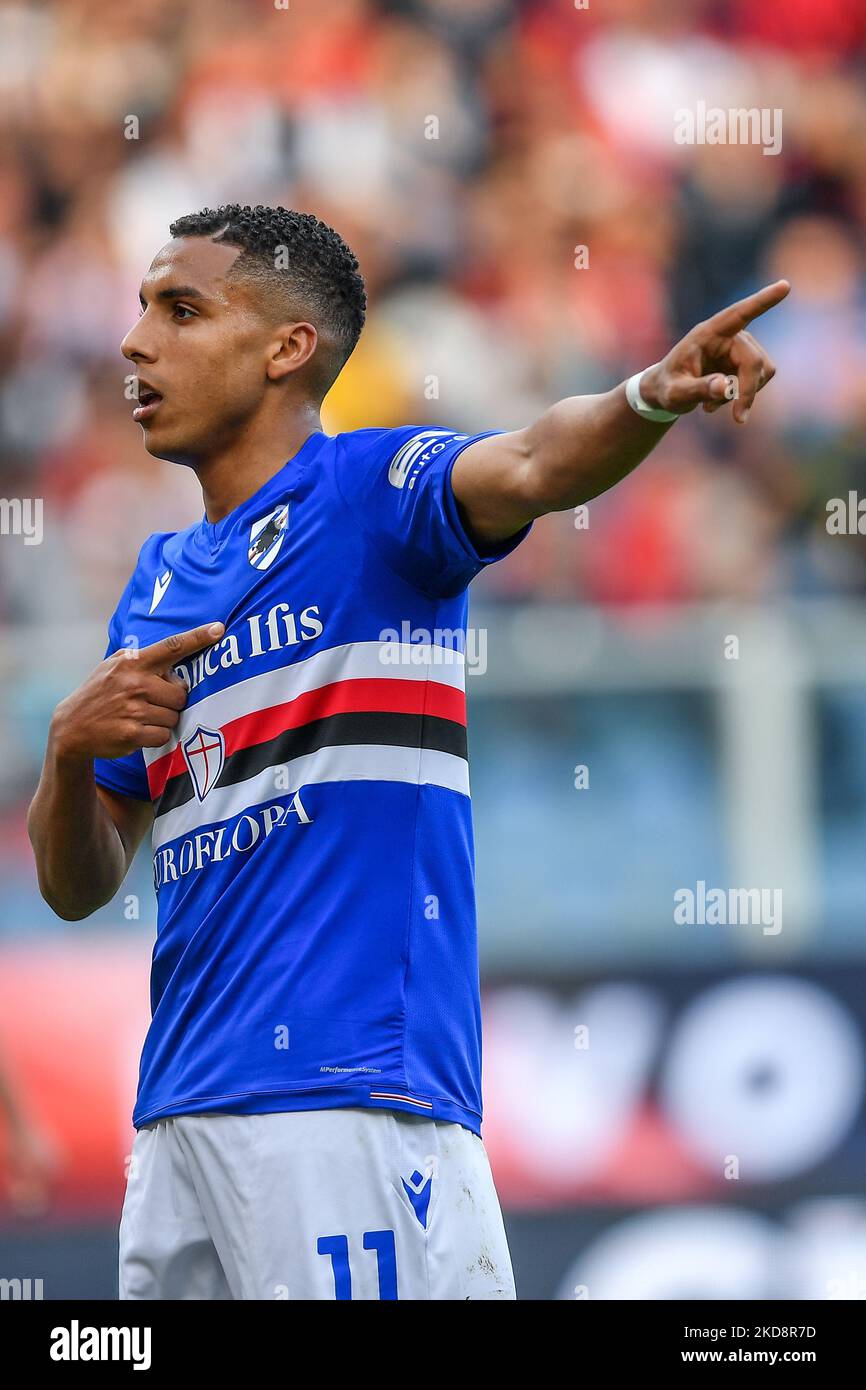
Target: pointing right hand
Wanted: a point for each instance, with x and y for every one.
(132, 700)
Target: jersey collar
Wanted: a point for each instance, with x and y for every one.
(285, 479)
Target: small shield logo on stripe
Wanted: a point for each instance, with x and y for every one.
(266, 537)
(205, 754)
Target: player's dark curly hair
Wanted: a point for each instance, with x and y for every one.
(301, 260)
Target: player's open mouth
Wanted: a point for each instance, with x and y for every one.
(149, 401)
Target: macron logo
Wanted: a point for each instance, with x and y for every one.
(160, 585)
(418, 1190)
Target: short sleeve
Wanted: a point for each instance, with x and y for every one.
(397, 483)
(127, 775)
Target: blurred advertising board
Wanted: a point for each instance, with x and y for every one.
(632, 1090)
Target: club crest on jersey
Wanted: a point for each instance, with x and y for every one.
(266, 537)
(205, 754)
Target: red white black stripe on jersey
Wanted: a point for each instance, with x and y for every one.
(339, 715)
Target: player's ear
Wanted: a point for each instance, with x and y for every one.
(291, 346)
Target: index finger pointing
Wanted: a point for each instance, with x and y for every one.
(730, 321)
(162, 655)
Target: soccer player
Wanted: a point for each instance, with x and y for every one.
(309, 1109)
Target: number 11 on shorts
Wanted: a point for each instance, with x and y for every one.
(386, 1258)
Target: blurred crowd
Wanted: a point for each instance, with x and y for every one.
(467, 150)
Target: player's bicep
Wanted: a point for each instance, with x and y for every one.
(492, 482)
(132, 819)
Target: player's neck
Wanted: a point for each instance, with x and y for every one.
(228, 479)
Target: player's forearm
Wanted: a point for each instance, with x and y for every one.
(583, 445)
(80, 859)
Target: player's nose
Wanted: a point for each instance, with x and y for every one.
(135, 346)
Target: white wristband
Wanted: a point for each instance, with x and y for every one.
(638, 404)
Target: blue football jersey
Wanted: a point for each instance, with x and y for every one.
(313, 855)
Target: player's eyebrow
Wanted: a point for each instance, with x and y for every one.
(175, 292)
